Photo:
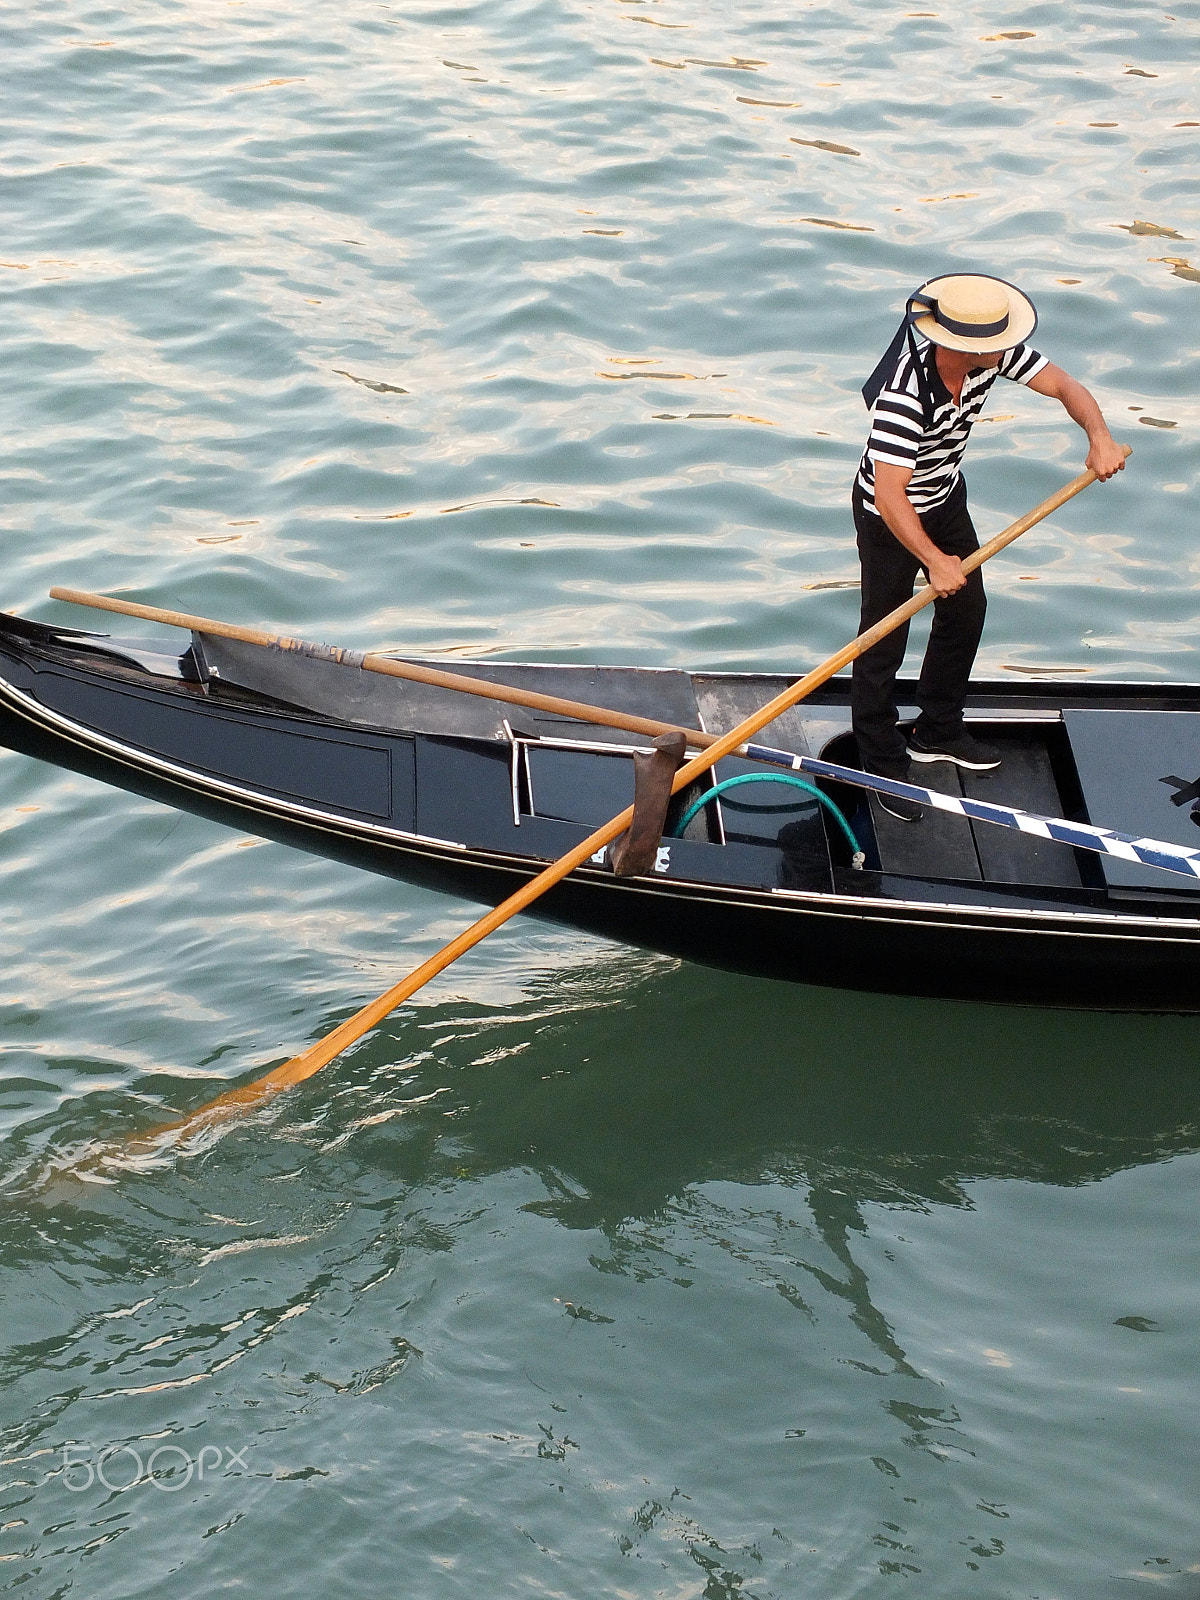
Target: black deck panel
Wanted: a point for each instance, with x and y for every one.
(1123, 758)
(373, 700)
(940, 845)
(1025, 780)
(725, 702)
(756, 812)
(771, 814)
(464, 792)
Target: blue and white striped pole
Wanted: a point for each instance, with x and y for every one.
(1105, 841)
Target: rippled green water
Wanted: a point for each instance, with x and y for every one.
(537, 331)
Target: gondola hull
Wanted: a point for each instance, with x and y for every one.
(475, 801)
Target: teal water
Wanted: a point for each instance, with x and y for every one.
(536, 332)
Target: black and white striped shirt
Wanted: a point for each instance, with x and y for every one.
(900, 437)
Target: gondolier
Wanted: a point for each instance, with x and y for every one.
(960, 333)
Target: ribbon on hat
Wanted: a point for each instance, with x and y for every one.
(968, 330)
(917, 304)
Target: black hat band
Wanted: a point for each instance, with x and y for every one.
(966, 330)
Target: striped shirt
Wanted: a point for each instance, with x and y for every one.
(900, 437)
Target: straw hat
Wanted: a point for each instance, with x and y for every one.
(972, 312)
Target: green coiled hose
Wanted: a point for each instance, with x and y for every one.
(774, 777)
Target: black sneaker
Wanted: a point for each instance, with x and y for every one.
(963, 748)
(898, 806)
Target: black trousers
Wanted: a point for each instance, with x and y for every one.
(888, 574)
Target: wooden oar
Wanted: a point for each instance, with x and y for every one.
(325, 1050)
(372, 661)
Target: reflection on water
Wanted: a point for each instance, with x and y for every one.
(894, 1103)
(747, 1206)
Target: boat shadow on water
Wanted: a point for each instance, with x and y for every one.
(699, 1076)
(630, 1079)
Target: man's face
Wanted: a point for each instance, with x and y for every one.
(991, 359)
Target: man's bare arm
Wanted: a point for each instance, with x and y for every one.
(896, 509)
(1105, 456)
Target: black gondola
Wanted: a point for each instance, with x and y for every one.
(472, 796)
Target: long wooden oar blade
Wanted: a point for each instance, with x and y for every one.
(318, 1055)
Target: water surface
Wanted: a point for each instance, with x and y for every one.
(536, 332)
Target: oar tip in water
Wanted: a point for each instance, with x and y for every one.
(102, 1161)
